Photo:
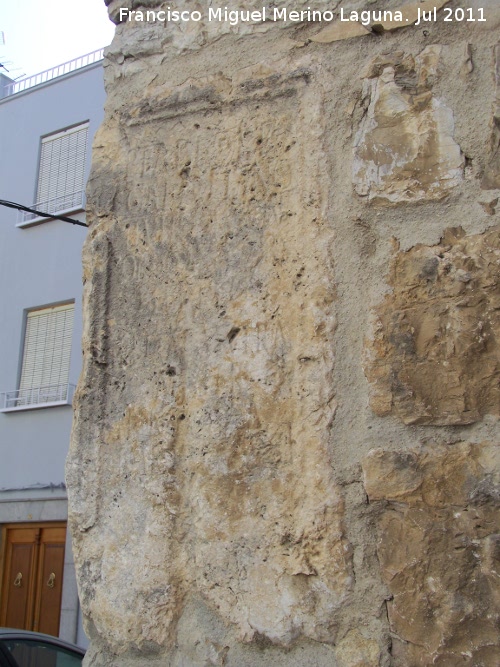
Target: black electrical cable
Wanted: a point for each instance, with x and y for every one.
(20, 207)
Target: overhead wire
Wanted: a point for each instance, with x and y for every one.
(27, 209)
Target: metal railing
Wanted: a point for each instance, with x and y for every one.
(22, 399)
(53, 72)
(74, 201)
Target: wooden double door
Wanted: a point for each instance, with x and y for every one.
(32, 576)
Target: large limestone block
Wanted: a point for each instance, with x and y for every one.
(434, 355)
(439, 551)
(207, 394)
(404, 150)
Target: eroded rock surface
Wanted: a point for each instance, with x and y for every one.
(404, 150)
(439, 550)
(214, 427)
(491, 178)
(217, 503)
(434, 357)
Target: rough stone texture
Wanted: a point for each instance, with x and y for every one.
(410, 13)
(218, 417)
(239, 272)
(439, 551)
(435, 354)
(404, 150)
(491, 178)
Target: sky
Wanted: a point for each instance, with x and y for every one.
(40, 34)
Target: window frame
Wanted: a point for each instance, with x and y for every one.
(12, 401)
(29, 219)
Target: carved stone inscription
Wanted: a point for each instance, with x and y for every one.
(220, 394)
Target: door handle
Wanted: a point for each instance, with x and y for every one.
(51, 581)
(18, 579)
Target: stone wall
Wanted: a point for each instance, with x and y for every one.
(285, 446)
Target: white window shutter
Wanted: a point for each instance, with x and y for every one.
(47, 350)
(61, 177)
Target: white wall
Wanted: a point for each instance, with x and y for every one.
(38, 266)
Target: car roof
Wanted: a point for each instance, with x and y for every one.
(13, 633)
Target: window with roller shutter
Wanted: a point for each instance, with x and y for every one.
(61, 177)
(61, 173)
(46, 355)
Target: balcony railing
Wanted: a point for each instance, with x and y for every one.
(53, 72)
(38, 397)
(69, 203)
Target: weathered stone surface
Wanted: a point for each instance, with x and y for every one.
(355, 650)
(217, 504)
(491, 179)
(413, 12)
(214, 429)
(468, 63)
(191, 36)
(434, 357)
(404, 150)
(439, 551)
(395, 18)
(339, 30)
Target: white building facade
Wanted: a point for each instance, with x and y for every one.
(47, 124)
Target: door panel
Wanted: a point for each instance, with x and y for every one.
(49, 588)
(16, 613)
(16, 610)
(32, 577)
